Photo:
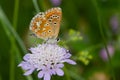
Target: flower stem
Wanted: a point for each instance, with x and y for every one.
(67, 75)
(15, 14)
(103, 36)
(12, 61)
(36, 5)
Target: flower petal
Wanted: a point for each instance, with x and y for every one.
(40, 74)
(25, 65)
(34, 50)
(53, 72)
(47, 76)
(59, 72)
(60, 65)
(26, 57)
(68, 55)
(29, 72)
(70, 61)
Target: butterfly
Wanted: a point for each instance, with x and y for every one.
(46, 25)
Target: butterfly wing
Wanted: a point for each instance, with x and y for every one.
(46, 25)
(40, 27)
(54, 16)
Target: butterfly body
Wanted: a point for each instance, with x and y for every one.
(46, 25)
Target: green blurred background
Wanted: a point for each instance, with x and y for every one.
(90, 29)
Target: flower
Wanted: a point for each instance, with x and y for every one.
(56, 2)
(114, 22)
(103, 52)
(46, 58)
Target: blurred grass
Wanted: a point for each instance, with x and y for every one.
(13, 49)
(103, 36)
(8, 28)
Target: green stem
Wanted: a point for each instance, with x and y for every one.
(67, 75)
(0, 77)
(36, 6)
(15, 14)
(103, 36)
(13, 44)
(12, 60)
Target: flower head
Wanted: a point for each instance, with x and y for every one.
(103, 52)
(56, 2)
(46, 58)
(114, 22)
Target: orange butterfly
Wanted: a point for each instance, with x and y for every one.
(46, 25)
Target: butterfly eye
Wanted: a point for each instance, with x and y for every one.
(58, 39)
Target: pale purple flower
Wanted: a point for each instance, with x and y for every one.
(47, 59)
(103, 52)
(56, 2)
(114, 22)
